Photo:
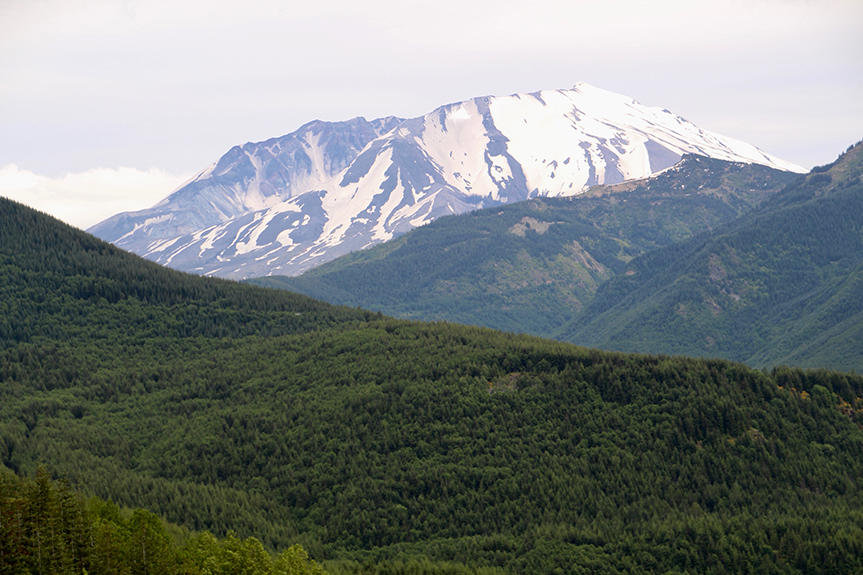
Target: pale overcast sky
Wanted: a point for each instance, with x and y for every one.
(108, 105)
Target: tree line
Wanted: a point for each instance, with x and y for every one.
(47, 528)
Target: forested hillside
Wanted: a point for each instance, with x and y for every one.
(58, 284)
(783, 284)
(389, 446)
(532, 266)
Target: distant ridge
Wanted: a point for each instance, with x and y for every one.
(291, 203)
(783, 284)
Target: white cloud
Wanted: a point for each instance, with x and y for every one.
(87, 198)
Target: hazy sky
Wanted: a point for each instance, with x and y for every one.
(108, 105)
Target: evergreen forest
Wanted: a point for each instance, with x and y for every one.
(49, 528)
(242, 418)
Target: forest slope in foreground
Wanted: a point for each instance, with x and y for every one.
(385, 446)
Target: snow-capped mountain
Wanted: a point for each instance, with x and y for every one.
(289, 204)
(248, 178)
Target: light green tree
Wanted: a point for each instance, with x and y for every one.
(149, 547)
(295, 561)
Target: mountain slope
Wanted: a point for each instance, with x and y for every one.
(782, 284)
(483, 152)
(61, 284)
(374, 439)
(531, 266)
(246, 179)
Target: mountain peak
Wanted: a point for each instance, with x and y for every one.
(290, 203)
